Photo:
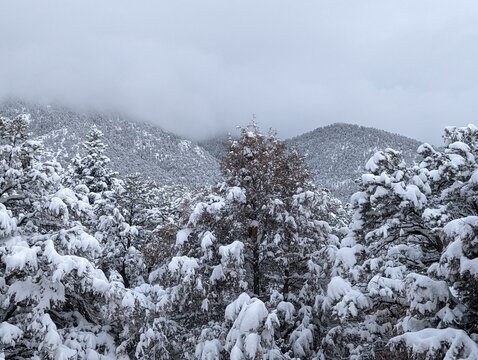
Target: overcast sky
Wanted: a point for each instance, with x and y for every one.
(201, 67)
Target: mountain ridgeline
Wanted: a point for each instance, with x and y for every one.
(336, 153)
(132, 146)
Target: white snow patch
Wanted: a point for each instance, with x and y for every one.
(182, 236)
(9, 334)
(183, 264)
(431, 341)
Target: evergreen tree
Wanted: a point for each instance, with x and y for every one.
(402, 267)
(262, 232)
(443, 300)
(92, 169)
(139, 202)
(269, 174)
(50, 292)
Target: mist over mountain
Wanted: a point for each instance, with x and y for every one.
(216, 145)
(337, 153)
(133, 146)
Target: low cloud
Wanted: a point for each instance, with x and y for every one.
(201, 68)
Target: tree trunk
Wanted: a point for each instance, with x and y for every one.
(124, 276)
(286, 283)
(256, 270)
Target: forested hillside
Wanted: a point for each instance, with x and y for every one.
(337, 153)
(262, 265)
(133, 146)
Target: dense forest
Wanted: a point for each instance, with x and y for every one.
(263, 265)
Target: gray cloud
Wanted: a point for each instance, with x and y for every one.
(202, 67)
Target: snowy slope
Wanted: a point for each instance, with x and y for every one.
(216, 146)
(132, 146)
(338, 153)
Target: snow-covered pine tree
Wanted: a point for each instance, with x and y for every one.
(387, 239)
(173, 204)
(140, 202)
(127, 217)
(407, 264)
(121, 209)
(50, 292)
(269, 174)
(202, 275)
(441, 320)
(262, 232)
(119, 240)
(20, 167)
(92, 168)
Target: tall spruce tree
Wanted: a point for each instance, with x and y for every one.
(270, 175)
(442, 315)
(257, 241)
(92, 167)
(51, 294)
(408, 264)
(386, 240)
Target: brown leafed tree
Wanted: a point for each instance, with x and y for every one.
(269, 173)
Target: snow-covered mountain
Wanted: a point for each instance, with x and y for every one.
(216, 145)
(132, 146)
(338, 152)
